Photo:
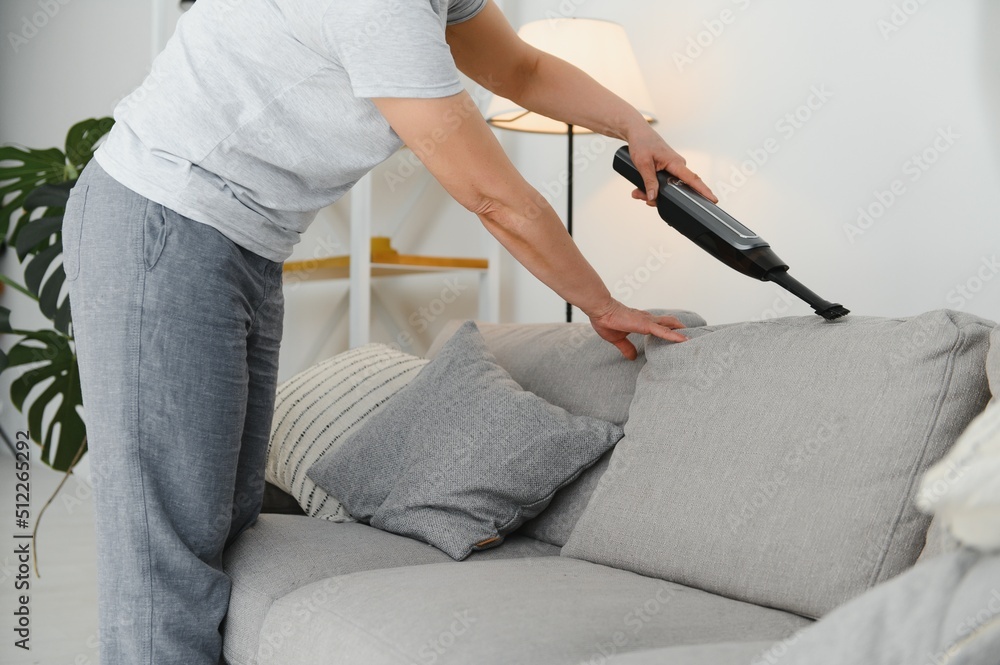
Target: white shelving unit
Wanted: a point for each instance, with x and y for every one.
(373, 258)
(366, 262)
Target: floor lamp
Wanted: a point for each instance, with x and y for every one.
(600, 48)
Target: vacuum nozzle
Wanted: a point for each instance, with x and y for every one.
(827, 310)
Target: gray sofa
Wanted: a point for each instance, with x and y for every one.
(766, 478)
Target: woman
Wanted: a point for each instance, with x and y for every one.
(257, 114)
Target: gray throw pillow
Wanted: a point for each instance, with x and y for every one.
(775, 462)
(462, 455)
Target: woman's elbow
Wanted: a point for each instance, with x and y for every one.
(509, 215)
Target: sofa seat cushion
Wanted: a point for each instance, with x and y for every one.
(547, 610)
(726, 653)
(281, 553)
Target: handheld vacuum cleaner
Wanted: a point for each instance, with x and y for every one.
(719, 234)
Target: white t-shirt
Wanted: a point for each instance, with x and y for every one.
(257, 113)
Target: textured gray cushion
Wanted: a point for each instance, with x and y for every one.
(775, 462)
(550, 611)
(569, 366)
(281, 553)
(555, 523)
(462, 455)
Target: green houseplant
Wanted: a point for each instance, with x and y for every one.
(34, 187)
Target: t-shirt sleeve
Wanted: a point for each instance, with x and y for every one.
(392, 49)
(463, 10)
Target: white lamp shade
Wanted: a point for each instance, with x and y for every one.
(600, 48)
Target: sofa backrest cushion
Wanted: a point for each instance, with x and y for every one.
(566, 365)
(569, 366)
(775, 462)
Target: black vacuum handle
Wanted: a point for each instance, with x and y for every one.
(625, 166)
(689, 212)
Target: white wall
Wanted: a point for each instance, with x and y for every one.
(890, 97)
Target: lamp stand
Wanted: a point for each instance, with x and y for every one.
(569, 205)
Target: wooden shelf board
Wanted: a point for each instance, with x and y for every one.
(383, 265)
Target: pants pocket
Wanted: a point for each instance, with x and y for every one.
(72, 229)
(154, 234)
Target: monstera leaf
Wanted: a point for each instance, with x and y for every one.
(39, 246)
(81, 139)
(23, 170)
(51, 377)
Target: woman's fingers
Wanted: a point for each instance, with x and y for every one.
(667, 334)
(681, 170)
(689, 177)
(627, 348)
(669, 321)
(664, 326)
(617, 322)
(647, 169)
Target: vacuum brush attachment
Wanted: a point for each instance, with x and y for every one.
(719, 234)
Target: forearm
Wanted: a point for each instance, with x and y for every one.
(528, 227)
(559, 90)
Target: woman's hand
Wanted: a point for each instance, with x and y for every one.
(650, 153)
(616, 321)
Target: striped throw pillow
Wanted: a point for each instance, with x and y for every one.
(318, 408)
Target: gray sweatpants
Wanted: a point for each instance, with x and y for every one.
(177, 331)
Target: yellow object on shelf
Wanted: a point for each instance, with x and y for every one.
(385, 261)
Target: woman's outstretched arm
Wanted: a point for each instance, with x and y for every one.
(452, 139)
